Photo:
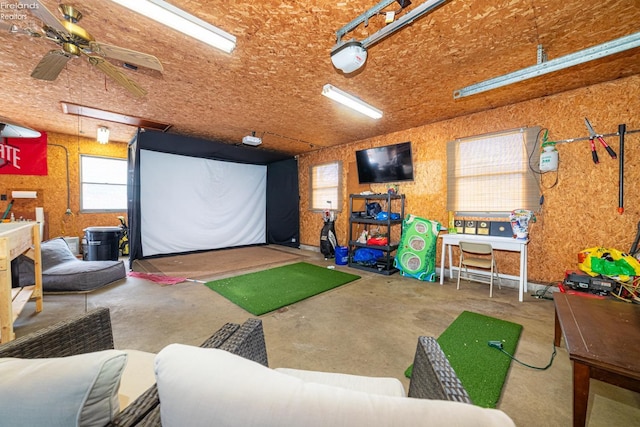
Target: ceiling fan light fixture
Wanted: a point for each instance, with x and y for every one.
(103, 135)
(348, 56)
(351, 101)
(182, 21)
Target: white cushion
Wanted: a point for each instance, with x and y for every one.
(205, 387)
(373, 385)
(79, 390)
(137, 377)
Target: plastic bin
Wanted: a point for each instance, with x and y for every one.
(103, 243)
(342, 255)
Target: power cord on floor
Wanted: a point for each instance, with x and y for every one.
(542, 293)
(498, 345)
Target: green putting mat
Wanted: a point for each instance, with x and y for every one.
(269, 290)
(481, 369)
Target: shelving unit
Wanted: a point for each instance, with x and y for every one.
(392, 203)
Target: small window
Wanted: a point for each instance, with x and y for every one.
(103, 184)
(491, 174)
(325, 182)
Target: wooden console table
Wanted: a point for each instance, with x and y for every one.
(603, 340)
(18, 238)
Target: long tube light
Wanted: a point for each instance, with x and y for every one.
(351, 101)
(609, 48)
(182, 21)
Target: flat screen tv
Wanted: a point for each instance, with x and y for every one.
(391, 163)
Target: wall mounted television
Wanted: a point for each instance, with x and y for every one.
(390, 163)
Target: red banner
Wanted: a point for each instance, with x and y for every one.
(23, 156)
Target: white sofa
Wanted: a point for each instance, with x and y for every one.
(212, 387)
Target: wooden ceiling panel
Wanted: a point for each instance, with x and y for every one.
(272, 81)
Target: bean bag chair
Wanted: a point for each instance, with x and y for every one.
(63, 272)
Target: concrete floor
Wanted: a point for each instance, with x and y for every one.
(367, 327)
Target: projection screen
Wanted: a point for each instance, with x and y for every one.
(190, 203)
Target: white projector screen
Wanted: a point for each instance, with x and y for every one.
(189, 204)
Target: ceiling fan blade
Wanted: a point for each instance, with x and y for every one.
(126, 55)
(111, 71)
(51, 65)
(39, 10)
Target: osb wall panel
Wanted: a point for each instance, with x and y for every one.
(52, 188)
(579, 212)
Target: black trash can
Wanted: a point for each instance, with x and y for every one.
(103, 243)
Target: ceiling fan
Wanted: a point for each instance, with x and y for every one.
(75, 41)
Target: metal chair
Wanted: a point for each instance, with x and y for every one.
(478, 255)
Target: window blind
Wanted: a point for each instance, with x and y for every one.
(325, 182)
(490, 173)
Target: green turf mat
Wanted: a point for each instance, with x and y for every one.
(269, 290)
(481, 369)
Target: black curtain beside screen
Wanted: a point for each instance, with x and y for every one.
(283, 203)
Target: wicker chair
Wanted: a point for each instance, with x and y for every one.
(433, 377)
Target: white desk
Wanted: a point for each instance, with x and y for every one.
(498, 243)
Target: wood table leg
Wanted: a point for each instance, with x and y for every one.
(37, 267)
(581, 376)
(6, 316)
(557, 335)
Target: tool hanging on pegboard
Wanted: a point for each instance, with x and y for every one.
(592, 136)
(622, 129)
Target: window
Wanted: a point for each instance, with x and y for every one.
(490, 174)
(325, 182)
(103, 184)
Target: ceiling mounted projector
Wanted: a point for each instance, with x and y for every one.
(252, 140)
(348, 56)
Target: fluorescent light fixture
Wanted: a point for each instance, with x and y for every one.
(24, 194)
(182, 21)
(103, 135)
(110, 116)
(351, 101)
(600, 51)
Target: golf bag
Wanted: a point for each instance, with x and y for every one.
(328, 240)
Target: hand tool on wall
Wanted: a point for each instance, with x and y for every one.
(592, 136)
(622, 129)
